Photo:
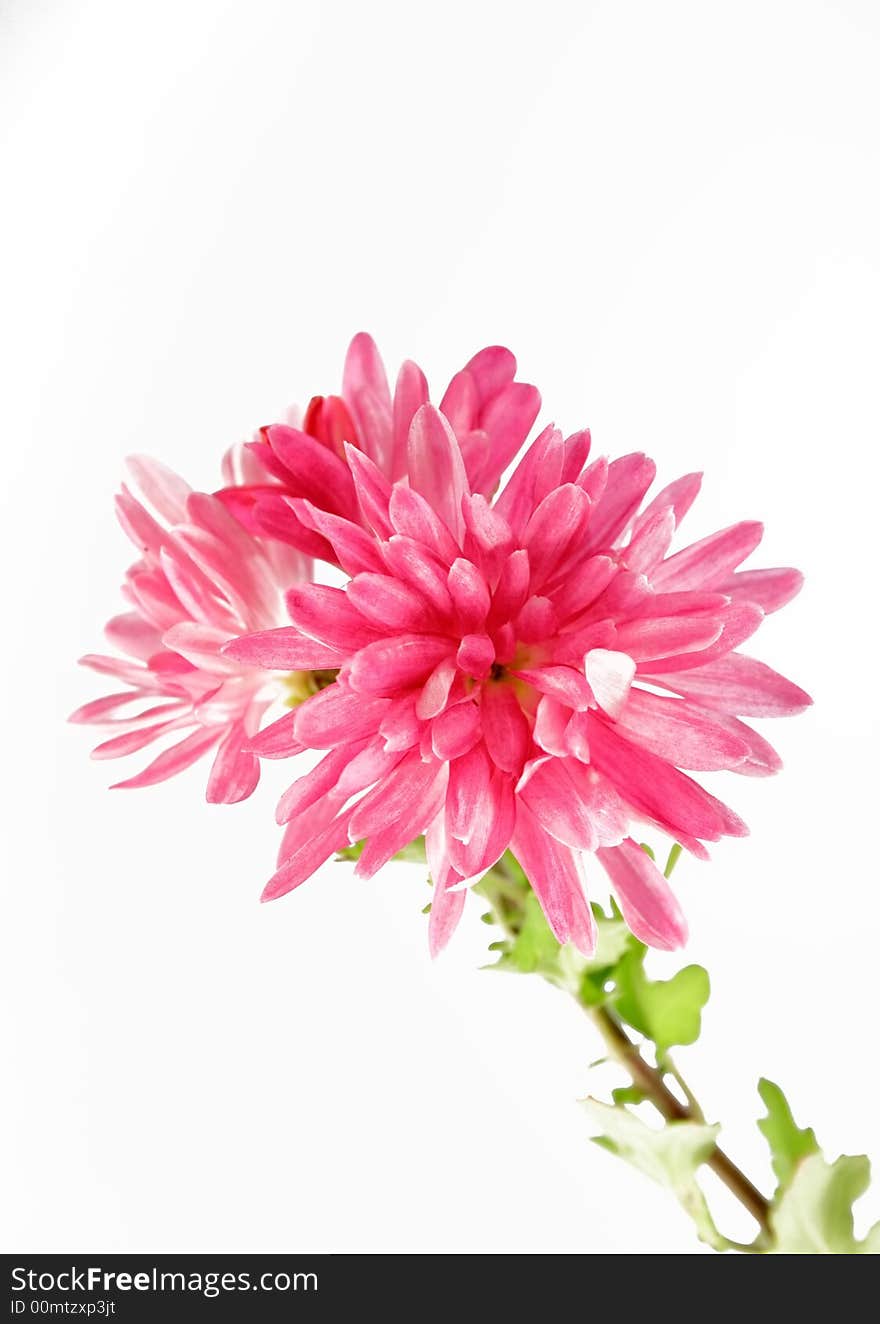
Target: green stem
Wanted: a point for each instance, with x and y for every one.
(505, 894)
(650, 1080)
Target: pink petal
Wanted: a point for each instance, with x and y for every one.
(609, 675)
(628, 480)
(537, 474)
(337, 716)
(391, 665)
(410, 561)
(513, 586)
(327, 614)
(537, 621)
(654, 637)
(456, 730)
(489, 530)
(475, 656)
(738, 620)
(133, 635)
(394, 798)
(769, 589)
(308, 856)
(576, 449)
(461, 403)
(681, 733)
(129, 742)
(355, 550)
(559, 520)
(645, 897)
(401, 728)
(678, 495)
(507, 419)
(470, 594)
(275, 517)
(436, 468)
(141, 528)
(365, 391)
(564, 684)
(551, 720)
(552, 797)
(164, 489)
(410, 393)
(284, 649)
(505, 728)
(99, 710)
(554, 873)
(705, 563)
(374, 762)
(494, 816)
(658, 790)
(235, 772)
(436, 689)
(491, 369)
(446, 905)
(201, 645)
(373, 490)
(650, 542)
(413, 517)
(384, 845)
(314, 471)
(740, 685)
(388, 602)
(574, 593)
(316, 783)
(174, 760)
(277, 741)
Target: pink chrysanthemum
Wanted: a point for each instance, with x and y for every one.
(201, 578)
(498, 668)
(304, 482)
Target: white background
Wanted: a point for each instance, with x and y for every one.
(671, 213)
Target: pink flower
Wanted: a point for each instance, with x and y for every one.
(201, 579)
(306, 478)
(493, 672)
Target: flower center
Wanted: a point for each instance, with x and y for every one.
(298, 686)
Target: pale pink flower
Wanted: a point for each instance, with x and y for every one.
(305, 484)
(498, 668)
(200, 579)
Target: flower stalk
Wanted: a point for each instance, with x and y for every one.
(528, 947)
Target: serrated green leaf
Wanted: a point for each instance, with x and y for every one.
(667, 1011)
(814, 1215)
(788, 1142)
(670, 1156)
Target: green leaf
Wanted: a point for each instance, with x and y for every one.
(670, 1156)
(814, 1216)
(672, 860)
(667, 1011)
(628, 1094)
(789, 1144)
(414, 852)
(534, 950)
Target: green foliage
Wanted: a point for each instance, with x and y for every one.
(667, 1011)
(789, 1144)
(414, 852)
(811, 1211)
(814, 1214)
(670, 1156)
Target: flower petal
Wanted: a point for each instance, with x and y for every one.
(645, 897)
